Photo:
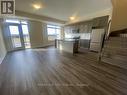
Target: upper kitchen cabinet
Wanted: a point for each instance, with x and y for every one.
(100, 21)
(85, 27)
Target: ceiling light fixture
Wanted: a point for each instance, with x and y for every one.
(36, 6)
(72, 18)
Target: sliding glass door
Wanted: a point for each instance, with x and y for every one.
(26, 37)
(18, 34)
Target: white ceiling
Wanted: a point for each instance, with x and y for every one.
(63, 9)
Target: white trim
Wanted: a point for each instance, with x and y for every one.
(1, 59)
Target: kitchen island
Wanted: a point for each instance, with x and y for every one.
(67, 45)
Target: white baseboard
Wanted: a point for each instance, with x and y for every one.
(2, 58)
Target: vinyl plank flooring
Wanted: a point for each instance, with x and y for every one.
(48, 71)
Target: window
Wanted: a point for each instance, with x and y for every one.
(53, 32)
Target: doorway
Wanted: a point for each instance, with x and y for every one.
(19, 34)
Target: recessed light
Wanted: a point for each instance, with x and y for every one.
(72, 18)
(36, 6)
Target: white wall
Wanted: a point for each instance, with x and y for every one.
(2, 45)
(38, 34)
(35, 31)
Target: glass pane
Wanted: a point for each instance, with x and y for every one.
(51, 26)
(58, 32)
(12, 21)
(25, 29)
(58, 27)
(14, 30)
(51, 31)
(26, 36)
(15, 37)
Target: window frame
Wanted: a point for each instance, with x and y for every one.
(55, 27)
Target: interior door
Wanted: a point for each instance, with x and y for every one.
(16, 36)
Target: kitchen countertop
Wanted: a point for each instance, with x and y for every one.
(67, 40)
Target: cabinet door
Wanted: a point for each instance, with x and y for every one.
(100, 22)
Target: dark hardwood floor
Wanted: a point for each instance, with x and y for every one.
(52, 72)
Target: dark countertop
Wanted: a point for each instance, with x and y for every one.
(67, 40)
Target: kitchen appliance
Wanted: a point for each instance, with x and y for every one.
(97, 36)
